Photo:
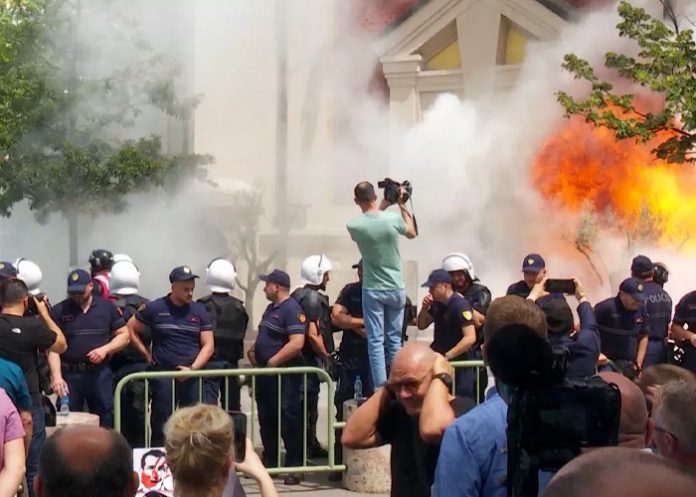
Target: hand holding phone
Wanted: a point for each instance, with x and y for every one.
(566, 286)
(239, 424)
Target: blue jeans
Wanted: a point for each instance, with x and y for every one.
(38, 437)
(383, 312)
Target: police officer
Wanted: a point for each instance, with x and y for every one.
(279, 343)
(7, 271)
(95, 331)
(454, 333)
(659, 306)
(182, 339)
(314, 272)
(230, 321)
(124, 286)
(684, 329)
(624, 327)
(30, 273)
(465, 282)
(100, 262)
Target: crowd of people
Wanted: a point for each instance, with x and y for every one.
(447, 427)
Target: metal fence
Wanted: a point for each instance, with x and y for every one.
(250, 376)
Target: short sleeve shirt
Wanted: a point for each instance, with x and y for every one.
(412, 460)
(10, 423)
(176, 330)
(86, 330)
(13, 382)
(278, 322)
(449, 319)
(377, 235)
(351, 298)
(21, 340)
(619, 329)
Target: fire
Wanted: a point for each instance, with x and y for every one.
(584, 166)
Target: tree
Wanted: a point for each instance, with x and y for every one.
(664, 64)
(76, 159)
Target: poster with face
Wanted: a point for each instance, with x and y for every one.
(154, 477)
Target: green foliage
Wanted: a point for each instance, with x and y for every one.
(664, 63)
(69, 106)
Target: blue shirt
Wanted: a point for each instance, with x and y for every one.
(176, 330)
(620, 328)
(583, 346)
(15, 385)
(473, 454)
(278, 322)
(86, 330)
(659, 307)
(449, 319)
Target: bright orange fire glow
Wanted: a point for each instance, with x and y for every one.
(582, 166)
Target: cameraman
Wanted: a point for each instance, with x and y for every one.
(376, 233)
(582, 344)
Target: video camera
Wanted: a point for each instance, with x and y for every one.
(550, 419)
(392, 191)
(32, 309)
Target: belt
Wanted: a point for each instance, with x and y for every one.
(80, 367)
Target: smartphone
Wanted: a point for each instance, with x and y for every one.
(239, 423)
(560, 286)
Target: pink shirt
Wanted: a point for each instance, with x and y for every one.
(10, 423)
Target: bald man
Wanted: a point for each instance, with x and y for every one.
(620, 471)
(634, 429)
(391, 416)
(88, 461)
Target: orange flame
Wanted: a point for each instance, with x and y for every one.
(585, 166)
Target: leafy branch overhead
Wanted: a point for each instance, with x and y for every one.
(665, 64)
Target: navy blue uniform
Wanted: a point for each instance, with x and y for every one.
(685, 316)
(278, 322)
(479, 296)
(659, 307)
(449, 319)
(85, 331)
(583, 346)
(176, 341)
(620, 330)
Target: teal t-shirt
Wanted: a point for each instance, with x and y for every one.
(377, 236)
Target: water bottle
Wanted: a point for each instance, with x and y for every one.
(64, 406)
(357, 390)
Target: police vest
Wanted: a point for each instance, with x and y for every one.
(129, 306)
(228, 315)
(316, 308)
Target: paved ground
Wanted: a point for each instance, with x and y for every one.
(312, 486)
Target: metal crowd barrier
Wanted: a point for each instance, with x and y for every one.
(477, 365)
(250, 375)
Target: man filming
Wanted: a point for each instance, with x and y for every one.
(376, 233)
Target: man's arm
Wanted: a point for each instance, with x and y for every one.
(61, 344)
(207, 341)
(436, 413)
(60, 387)
(642, 349)
(316, 341)
(680, 333)
(411, 232)
(468, 340)
(13, 468)
(361, 429)
(457, 471)
(135, 328)
(289, 350)
(119, 341)
(28, 425)
(424, 318)
(341, 318)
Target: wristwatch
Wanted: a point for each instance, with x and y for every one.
(444, 378)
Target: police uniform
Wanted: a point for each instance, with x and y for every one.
(128, 361)
(88, 383)
(449, 318)
(659, 307)
(479, 296)
(316, 308)
(278, 322)
(685, 316)
(532, 263)
(230, 321)
(620, 329)
(176, 334)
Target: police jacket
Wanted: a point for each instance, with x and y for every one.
(659, 307)
(620, 329)
(128, 306)
(317, 309)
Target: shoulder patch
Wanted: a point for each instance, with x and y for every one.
(467, 315)
(301, 316)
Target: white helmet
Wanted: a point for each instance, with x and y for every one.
(30, 273)
(314, 268)
(220, 276)
(125, 278)
(456, 261)
(122, 257)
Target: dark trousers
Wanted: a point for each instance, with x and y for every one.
(165, 399)
(656, 353)
(345, 390)
(94, 389)
(313, 385)
(218, 388)
(38, 437)
(133, 404)
(290, 419)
